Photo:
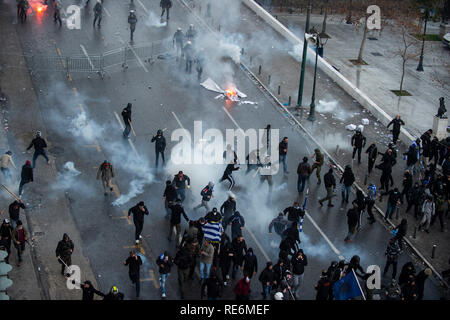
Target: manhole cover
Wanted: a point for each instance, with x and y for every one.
(56, 150)
(376, 54)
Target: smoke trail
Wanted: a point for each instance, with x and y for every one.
(154, 21)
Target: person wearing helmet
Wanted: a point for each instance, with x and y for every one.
(132, 20)
(26, 176)
(165, 5)
(5, 160)
(64, 252)
(39, 145)
(358, 142)
(114, 294)
(177, 42)
(200, 61)
(191, 32)
(278, 296)
(160, 146)
(188, 53)
(106, 172)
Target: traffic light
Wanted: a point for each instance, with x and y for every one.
(5, 282)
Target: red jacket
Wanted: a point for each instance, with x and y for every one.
(242, 288)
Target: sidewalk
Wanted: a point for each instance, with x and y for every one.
(334, 110)
(47, 217)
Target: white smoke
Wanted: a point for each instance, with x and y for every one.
(154, 20)
(80, 127)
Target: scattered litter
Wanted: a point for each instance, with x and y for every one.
(361, 128)
(365, 121)
(350, 127)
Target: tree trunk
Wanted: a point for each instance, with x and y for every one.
(324, 24)
(403, 76)
(363, 42)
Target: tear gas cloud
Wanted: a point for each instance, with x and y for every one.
(153, 20)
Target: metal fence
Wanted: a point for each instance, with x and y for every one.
(121, 57)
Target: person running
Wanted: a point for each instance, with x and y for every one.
(207, 194)
(138, 211)
(39, 145)
(14, 212)
(26, 176)
(396, 126)
(126, 116)
(294, 213)
(303, 172)
(370, 201)
(318, 163)
(392, 252)
(175, 220)
(179, 182)
(114, 294)
(358, 142)
(352, 222)
(165, 6)
(237, 223)
(160, 146)
(330, 186)
(106, 173)
(88, 290)
(132, 20)
(372, 153)
(169, 197)
(279, 224)
(228, 174)
(134, 263)
(164, 262)
(64, 251)
(5, 160)
(227, 209)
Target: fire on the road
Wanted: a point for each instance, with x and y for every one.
(231, 93)
(38, 6)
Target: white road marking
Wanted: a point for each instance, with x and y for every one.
(178, 120)
(258, 244)
(123, 128)
(87, 56)
(309, 217)
(107, 12)
(135, 54)
(142, 5)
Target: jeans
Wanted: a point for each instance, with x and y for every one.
(204, 270)
(135, 279)
(301, 183)
(390, 210)
(21, 184)
(127, 130)
(99, 20)
(181, 194)
(38, 153)
(283, 159)
(298, 279)
(177, 232)
(266, 291)
(345, 192)
(394, 267)
(157, 157)
(162, 282)
(203, 204)
(7, 173)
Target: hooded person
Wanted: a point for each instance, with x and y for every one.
(279, 224)
(39, 145)
(242, 289)
(227, 209)
(138, 211)
(126, 116)
(169, 197)
(114, 294)
(160, 146)
(179, 182)
(14, 212)
(64, 251)
(324, 288)
(207, 194)
(267, 278)
(26, 176)
(225, 259)
(213, 286)
(134, 263)
(106, 173)
(88, 290)
(183, 260)
(6, 231)
(330, 186)
(358, 142)
(250, 267)
(237, 223)
(347, 180)
(393, 292)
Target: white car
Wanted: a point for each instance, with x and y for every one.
(446, 39)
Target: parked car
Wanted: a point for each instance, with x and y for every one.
(446, 39)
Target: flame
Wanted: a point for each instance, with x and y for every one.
(231, 93)
(38, 7)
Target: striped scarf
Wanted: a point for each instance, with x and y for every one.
(213, 231)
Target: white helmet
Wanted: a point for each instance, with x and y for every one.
(278, 296)
(179, 29)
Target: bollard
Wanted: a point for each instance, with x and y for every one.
(279, 90)
(259, 69)
(251, 60)
(289, 101)
(433, 252)
(276, 17)
(337, 149)
(242, 51)
(268, 80)
(415, 232)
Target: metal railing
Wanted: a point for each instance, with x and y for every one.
(100, 63)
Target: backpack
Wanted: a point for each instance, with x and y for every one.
(203, 193)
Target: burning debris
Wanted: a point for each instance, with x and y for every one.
(231, 93)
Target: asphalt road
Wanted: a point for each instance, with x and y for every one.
(175, 99)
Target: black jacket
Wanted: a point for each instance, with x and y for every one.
(160, 142)
(88, 293)
(372, 152)
(329, 180)
(134, 265)
(426, 144)
(324, 289)
(213, 288)
(170, 193)
(224, 255)
(126, 115)
(14, 213)
(64, 248)
(183, 259)
(206, 193)
(138, 214)
(181, 184)
(267, 275)
(347, 177)
(27, 173)
(228, 208)
(358, 140)
(298, 265)
(250, 264)
(229, 170)
(165, 4)
(112, 296)
(38, 143)
(294, 214)
(6, 231)
(397, 123)
(164, 266)
(237, 221)
(176, 212)
(394, 197)
(283, 145)
(352, 217)
(239, 250)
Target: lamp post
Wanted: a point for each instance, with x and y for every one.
(315, 38)
(420, 66)
(305, 49)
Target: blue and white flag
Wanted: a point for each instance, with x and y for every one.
(213, 231)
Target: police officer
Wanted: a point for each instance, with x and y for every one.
(177, 42)
(188, 53)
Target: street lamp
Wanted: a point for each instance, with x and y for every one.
(420, 66)
(305, 47)
(319, 41)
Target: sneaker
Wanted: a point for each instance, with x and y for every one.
(163, 295)
(320, 202)
(331, 205)
(227, 276)
(140, 237)
(137, 241)
(225, 283)
(48, 162)
(110, 189)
